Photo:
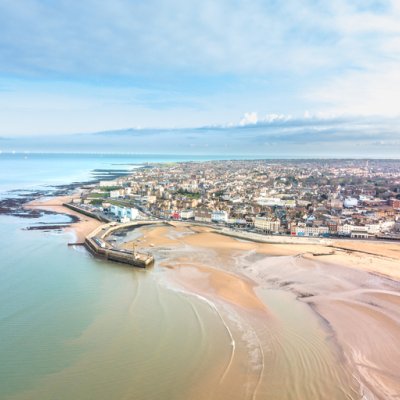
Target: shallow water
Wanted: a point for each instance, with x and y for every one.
(286, 353)
(304, 360)
(74, 327)
(77, 327)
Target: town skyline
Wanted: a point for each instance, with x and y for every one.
(357, 199)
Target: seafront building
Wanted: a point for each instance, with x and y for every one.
(267, 225)
(124, 214)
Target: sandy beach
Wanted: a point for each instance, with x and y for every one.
(353, 287)
(81, 228)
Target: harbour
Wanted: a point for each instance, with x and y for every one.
(97, 243)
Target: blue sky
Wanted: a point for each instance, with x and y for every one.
(77, 67)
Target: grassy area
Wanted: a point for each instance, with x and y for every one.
(98, 195)
(190, 195)
(109, 188)
(96, 202)
(121, 203)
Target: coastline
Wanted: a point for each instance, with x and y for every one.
(81, 228)
(353, 287)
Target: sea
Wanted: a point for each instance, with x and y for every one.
(64, 312)
(76, 327)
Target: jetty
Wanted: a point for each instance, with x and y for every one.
(98, 244)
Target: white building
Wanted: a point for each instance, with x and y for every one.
(345, 229)
(108, 183)
(237, 221)
(236, 200)
(187, 214)
(387, 226)
(124, 213)
(350, 202)
(289, 203)
(310, 231)
(373, 229)
(363, 197)
(219, 216)
(114, 194)
(269, 201)
(267, 224)
(360, 232)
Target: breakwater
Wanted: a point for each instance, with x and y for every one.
(97, 243)
(88, 213)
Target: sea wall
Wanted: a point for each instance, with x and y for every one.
(258, 237)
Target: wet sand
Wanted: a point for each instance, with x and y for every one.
(79, 229)
(352, 286)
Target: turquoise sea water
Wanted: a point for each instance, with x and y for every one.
(74, 327)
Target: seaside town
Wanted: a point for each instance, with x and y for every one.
(358, 199)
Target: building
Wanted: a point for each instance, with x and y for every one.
(359, 233)
(289, 203)
(176, 215)
(219, 216)
(108, 183)
(237, 221)
(309, 231)
(373, 229)
(269, 201)
(124, 213)
(187, 214)
(202, 215)
(114, 194)
(332, 227)
(336, 204)
(395, 203)
(268, 225)
(350, 202)
(345, 229)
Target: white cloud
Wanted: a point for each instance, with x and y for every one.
(276, 117)
(250, 118)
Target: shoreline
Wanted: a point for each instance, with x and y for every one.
(341, 296)
(356, 295)
(79, 228)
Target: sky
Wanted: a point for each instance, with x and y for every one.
(256, 74)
